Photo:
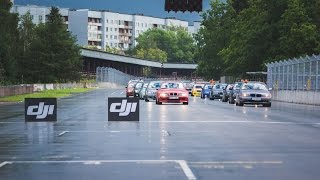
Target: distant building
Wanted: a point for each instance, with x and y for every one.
(104, 28)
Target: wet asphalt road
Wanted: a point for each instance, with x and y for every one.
(204, 140)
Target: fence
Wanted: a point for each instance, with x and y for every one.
(295, 74)
(106, 74)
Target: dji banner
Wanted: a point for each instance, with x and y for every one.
(40, 109)
(123, 109)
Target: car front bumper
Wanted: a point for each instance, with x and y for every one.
(250, 100)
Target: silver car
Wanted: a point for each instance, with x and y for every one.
(254, 93)
(151, 90)
(142, 92)
(217, 91)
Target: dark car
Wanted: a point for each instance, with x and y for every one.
(188, 86)
(254, 93)
(226, 92)
(137, 88)
(130, 89)
(151, 90)
(206, 91)
(217, 91)
(234, 91)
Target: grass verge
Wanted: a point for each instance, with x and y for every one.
(59, 93)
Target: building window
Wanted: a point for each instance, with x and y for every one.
(107, 21)
(111, 44)
(145, 25)
(111, 21)
(110, 29)
(111, 36)
(106, 29)
(40, 18)
(115, 37)
(116, 29)
(32, 17)
(107, 36)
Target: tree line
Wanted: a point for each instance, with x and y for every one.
(239, 36)
(43, 53)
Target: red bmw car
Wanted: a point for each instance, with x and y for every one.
(172, 92)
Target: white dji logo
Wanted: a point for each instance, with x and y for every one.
(125, 108)
(43, 110)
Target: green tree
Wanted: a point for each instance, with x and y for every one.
(8, 43)
(26, 37)
(212, 38)
(299, 35)
(54, 55)
(175, 42)
(154, 54)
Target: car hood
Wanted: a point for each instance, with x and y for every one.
(255, 91)
(172, 90)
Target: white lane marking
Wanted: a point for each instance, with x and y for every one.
(64, 132)
(5, 163)
(114, 131)
(186, 169)
(238, 162)
(183, 164)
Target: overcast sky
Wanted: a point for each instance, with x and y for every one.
(147, 7)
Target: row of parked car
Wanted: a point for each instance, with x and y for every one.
(159, 91)
(238, 93)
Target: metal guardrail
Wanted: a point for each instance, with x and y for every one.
(295, 74)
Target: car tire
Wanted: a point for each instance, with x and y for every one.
(127, 96)
(146, 99)
(185, 103)
(202, 97)
(191, 94)
(267, 105)
(240, 103)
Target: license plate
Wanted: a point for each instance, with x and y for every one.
(256, 99)
(173, 97)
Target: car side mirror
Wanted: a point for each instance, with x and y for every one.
(231, 88)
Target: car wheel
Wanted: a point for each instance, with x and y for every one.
(267, 105)
(127, 96)
(185, 103)
(202, 97)
(146, 99)
(191, 94)
(240, 103)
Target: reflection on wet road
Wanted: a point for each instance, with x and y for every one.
(204, 140)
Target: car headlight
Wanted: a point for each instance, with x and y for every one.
(267, 95)
(163, 95)
(245, 94)
(183, 95)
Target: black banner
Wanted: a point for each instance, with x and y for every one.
(123, 109)
(40, 109)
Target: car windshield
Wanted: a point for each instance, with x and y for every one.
(131, 85)
(154, 85)
(145, 85)
(208, 86)
(238, 85)
(138, 85)
(198, 86)
(219, 86)
(254, 86)
(172, 85)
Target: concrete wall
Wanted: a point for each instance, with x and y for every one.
(300, 97)
(15, 90)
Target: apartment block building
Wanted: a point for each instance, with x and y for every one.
(104, 28)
